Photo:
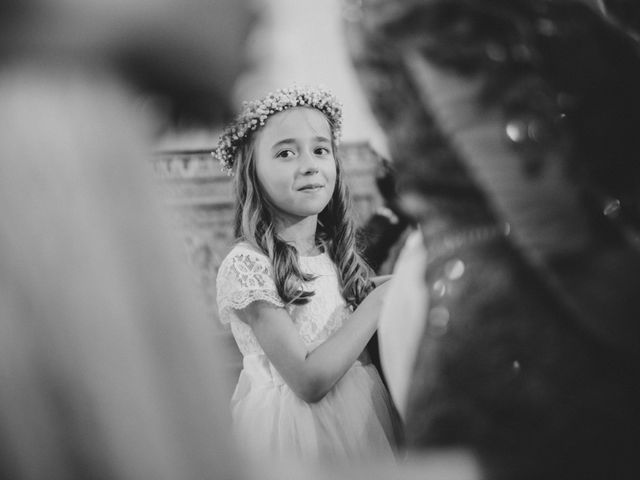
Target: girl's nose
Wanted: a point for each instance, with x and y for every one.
(309, 164)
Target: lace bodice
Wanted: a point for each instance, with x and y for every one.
(246, 275)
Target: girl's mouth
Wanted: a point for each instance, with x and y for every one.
(310, 188)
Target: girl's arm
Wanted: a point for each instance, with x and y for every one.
(312, 374)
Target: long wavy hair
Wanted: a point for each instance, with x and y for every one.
(255, 216)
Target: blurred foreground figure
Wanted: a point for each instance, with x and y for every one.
(108, 367)
(513, 125)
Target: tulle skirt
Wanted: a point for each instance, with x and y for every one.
(355, 420)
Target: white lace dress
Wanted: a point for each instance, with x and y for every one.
(354, 420)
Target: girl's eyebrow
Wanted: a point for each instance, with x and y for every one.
(285, 141)
(289, 141)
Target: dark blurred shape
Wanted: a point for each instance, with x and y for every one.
(184, 56)
(626, 13)
(513, 125)
(385, 228)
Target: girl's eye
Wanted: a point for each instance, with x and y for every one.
(322, 151)
(285, 154)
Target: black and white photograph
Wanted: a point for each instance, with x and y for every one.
(320, 239)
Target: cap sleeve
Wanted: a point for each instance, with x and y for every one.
(244, 277)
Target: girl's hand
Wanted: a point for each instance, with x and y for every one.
(380, 290)
(380, 279)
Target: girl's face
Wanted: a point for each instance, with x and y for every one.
(295, 162)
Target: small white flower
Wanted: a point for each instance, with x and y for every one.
(256, 113)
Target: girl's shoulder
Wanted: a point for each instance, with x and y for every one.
(243, 253)
(245, 275)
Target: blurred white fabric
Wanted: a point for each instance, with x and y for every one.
(402, 319)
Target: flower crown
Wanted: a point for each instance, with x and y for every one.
(254, 114)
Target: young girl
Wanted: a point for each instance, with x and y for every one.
(295, 291)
